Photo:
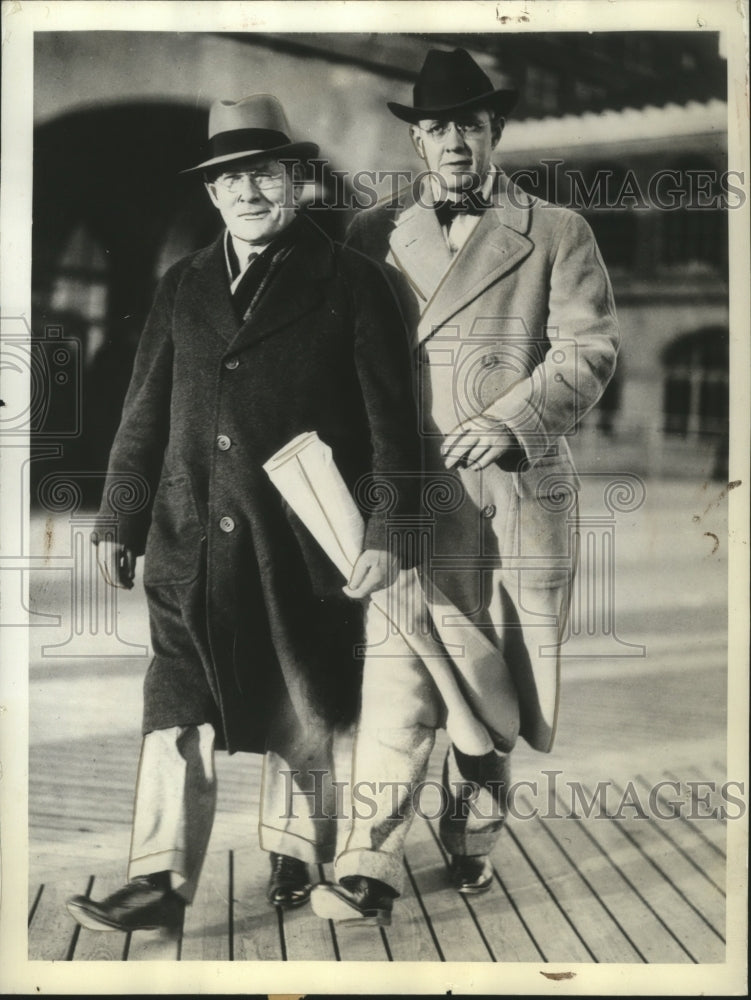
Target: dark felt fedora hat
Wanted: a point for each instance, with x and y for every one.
(254, 127)
(450, 82)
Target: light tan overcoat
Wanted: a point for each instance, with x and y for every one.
(519, 326)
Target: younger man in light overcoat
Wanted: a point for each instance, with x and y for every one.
(514, 338)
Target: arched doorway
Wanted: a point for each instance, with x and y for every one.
(106, 191)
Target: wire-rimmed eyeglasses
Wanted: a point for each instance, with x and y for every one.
(263, 180)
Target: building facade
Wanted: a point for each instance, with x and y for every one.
(119, 114)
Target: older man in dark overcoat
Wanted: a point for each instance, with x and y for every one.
(270, 332)
(515, 338)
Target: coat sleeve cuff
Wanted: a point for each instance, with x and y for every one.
(518, 412)
(128, 531)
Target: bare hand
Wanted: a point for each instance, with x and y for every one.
(373, 570)
(117, 563)
(475, 443)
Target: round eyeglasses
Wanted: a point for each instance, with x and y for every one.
(261, 179)
(440, 129)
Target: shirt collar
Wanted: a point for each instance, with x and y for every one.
(236, 254)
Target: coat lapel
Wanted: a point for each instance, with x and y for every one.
(209, 290)
(498, 243)
(416, 230)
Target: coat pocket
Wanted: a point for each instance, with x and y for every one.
(176, 536)
(542, 526)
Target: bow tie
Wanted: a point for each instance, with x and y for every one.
(470, 204)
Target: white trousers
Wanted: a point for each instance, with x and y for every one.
(401, 710)
(176, 794)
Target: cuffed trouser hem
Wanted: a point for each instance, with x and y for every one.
(174, 805)
(471, 844)
(165, 861)
(284, 842)
(381, 865)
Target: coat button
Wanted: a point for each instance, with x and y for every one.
(490, 361)
(489, 510)
(231, 363)
(223, 443)
(227, 524)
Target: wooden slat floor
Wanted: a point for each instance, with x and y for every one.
(624, 890)
(581, 889)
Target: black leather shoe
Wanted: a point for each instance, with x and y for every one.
(289, 884)
(146, 903)
(356, 900)
(471, 874)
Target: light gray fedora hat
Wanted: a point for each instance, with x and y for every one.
(256, 126)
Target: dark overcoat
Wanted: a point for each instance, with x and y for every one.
(247, 613)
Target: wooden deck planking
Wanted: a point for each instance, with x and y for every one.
(59, 787)
(712, 832)
(665, 899)
(360, 944)
(86, 762)
(306, 936)
(644, 928)
(686, 839)
(256, 926)
(88, 819)
(452, 924)
(409, 938)
(101, 946)
(239, 786)
(49, 859)
(67, 811)
(574, 890)
(593, 921)
(531, 898)
(207, 924)
(712, 774)
(103, 752)
(84, 775)
(52, 932)
(660, 859)
(112, 758)
(507, 937)
(660, 852)
(160, 945)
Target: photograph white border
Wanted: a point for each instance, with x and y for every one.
(20, 20)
